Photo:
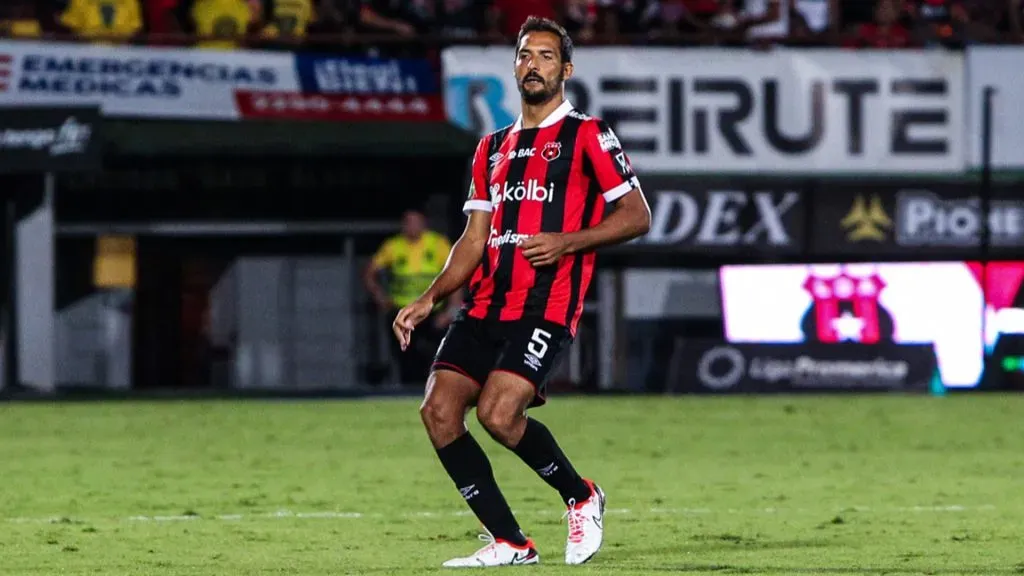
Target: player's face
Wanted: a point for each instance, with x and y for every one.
(540, 71)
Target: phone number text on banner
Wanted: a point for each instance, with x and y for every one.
(140, 82)
(341, 88)
(734, 111)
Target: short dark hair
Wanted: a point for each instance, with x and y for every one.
(538, 24)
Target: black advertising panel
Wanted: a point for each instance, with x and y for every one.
(735, 217)
(717, 367)
(919, 219)
(49, 140)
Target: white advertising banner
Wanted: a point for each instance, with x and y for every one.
(738, 111)
(1001, 68)
(140, 82)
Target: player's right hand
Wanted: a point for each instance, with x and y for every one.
(407, 319)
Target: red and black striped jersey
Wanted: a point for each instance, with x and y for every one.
(558, 177)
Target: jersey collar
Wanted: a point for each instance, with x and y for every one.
(552, 119)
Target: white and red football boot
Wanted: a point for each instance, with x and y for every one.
(498, 552)
(586, 526)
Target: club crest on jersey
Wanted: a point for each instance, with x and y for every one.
(551, 151)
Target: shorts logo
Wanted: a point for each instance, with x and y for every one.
(551, 151)
(532, 361)
(608, 141)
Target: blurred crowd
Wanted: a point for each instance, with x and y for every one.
(227, 23)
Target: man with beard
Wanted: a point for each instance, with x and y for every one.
(540, 188)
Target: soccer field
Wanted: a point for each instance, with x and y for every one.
(836, 485)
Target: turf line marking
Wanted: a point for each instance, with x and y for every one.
(330, 515)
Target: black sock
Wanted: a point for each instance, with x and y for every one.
(468, 466)
(540, 451)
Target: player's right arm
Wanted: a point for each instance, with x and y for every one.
(465, 254)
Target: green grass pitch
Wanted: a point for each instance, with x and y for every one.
(773, 485)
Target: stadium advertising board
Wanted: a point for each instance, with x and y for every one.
(783, 112)
(347, 89)
(939, 219)
(128, 81)
(719, 367)
(965, 311)
(49, 139)
(989, 66)
(739, 217)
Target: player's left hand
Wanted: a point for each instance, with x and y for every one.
(544, 249)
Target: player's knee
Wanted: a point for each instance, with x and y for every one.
(500, 420)
(440, 416)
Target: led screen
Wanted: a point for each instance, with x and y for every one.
(940, 303)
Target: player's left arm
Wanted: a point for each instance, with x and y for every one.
(630, 217)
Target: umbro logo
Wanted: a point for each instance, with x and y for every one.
(548, 470)
(496, 157)
(469, 491)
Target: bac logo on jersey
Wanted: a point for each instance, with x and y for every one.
(522, 153)
(551, 151)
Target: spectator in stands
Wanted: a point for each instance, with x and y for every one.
(884, 32)
(801, 33)
(627, 17)
(288, 19)
(579, 17)
(101, 20)
(937, 22)
(19, 20)
(765, 20)
(219, 24)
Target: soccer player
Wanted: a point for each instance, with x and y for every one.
(540, 189)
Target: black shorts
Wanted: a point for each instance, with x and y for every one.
(529, 348)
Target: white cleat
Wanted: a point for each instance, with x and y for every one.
(586, 526)
(497, 553)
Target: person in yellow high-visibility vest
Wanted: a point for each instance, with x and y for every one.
(411, 261)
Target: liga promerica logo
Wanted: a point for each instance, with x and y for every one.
(6, 65)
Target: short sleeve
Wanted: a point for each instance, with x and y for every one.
(611, 167)
(477, 199)
(383, 257)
